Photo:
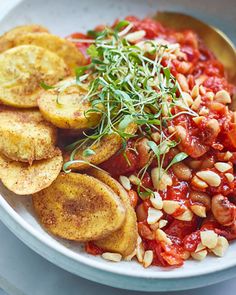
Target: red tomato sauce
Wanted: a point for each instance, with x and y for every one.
(204, 145)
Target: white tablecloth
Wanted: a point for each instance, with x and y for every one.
(23, 272)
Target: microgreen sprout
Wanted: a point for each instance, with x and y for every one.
(128, 84)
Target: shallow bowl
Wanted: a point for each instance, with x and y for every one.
(63, 18)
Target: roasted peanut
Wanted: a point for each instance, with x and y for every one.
(182, 82)
(221, 246)
(115, 257)
(198, 183)
(195, 91)
(154, 215)
(161, 236)
(223, 96)
(229, 176)
(209, 238)
(210, 177)
(186, 216)
(210, 95)
(199, 210)
(199, 255)
(160, 179)
(148, 258)
(187, 98)
(135, 36)
(202, 90)
(197, 102)
(213, 128)
(222, 167)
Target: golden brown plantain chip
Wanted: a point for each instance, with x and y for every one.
(68, 136)
(65, 108)
(79, 207)
(24, 179)
(62, 47)
(25, 136)
(7, 40)
(71, 133)
(124, 240)
(103, 150)
(22, 69)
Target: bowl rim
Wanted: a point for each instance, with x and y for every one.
(13, 220)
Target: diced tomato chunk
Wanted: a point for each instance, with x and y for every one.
(150, 26)
(177, 192)
(227, 232)
(121, 163)
(165, 255)
(180, 229)
(147, 181)
(172, 255)
(215, 84)
(92, 249)
(191, 241)
(156, 247)
(83, 46)
(232, 135)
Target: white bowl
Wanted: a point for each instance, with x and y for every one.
(63, 18)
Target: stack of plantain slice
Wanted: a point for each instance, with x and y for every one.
(86, 206)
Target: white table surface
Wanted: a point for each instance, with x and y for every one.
(23, 272)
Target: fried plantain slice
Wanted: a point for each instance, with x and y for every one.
(103, 150)
(79, 207)
(123, 240)
(65, 106)
(24, 179)
(62, 47)
(7, 40)
(68, 136)
(25, 136)
(22, 69)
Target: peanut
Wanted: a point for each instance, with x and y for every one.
(183, 83)
(223, 96)
(210, 177)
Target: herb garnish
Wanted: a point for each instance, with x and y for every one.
(129, 86)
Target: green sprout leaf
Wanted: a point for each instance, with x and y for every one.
(93, 34)
(125, 122)
(177, 158)
(126, 86)
(66, 166)
(92, 51)
(126, 158)
(146, 193)
(167, 74)
(79, 71)
(88, 152)
(46, 86)
(154, 147)
(121, 24)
